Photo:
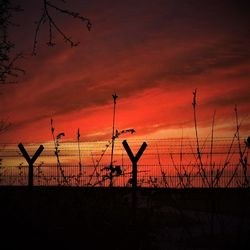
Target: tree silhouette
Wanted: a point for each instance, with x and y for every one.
(8, 59)
(9, 69)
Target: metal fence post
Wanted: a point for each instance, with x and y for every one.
(30, 161)
(134, 160)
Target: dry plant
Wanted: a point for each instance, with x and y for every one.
(56, 140)
(116, 170)
(78, 177)
(202, 171)
(243, 155)
(111, 170)
(1, 170)
(21, 174)
(163, 173)
(212, 164)
(40, 173)
(242, 152)
(183, 175)
(208, 172)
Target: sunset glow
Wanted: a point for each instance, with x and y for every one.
(153, 54)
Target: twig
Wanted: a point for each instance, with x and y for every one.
(197, 137)
(211, 152)
(79, 151)
(162, 172)
(46, 17)
(113, 141)
(177, 171)
(243, 160)
(56, 144)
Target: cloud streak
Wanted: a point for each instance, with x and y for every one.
(152, 53)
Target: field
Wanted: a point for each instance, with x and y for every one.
(107, 218)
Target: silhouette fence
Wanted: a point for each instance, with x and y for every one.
(170, 163)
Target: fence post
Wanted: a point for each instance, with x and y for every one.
(30, 161)
(134, 160)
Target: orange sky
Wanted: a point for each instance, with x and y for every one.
(153, 54)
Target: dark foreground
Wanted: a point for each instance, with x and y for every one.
(105, 218)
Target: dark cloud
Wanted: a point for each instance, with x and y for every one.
(236, 97)
(218, 56)
(134, 47)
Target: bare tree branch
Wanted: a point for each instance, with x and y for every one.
(8, 68)
(52, 25)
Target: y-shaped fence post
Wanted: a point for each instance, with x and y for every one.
(134, 160)
(30, 161)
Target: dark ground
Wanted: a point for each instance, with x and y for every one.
(104, 218)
